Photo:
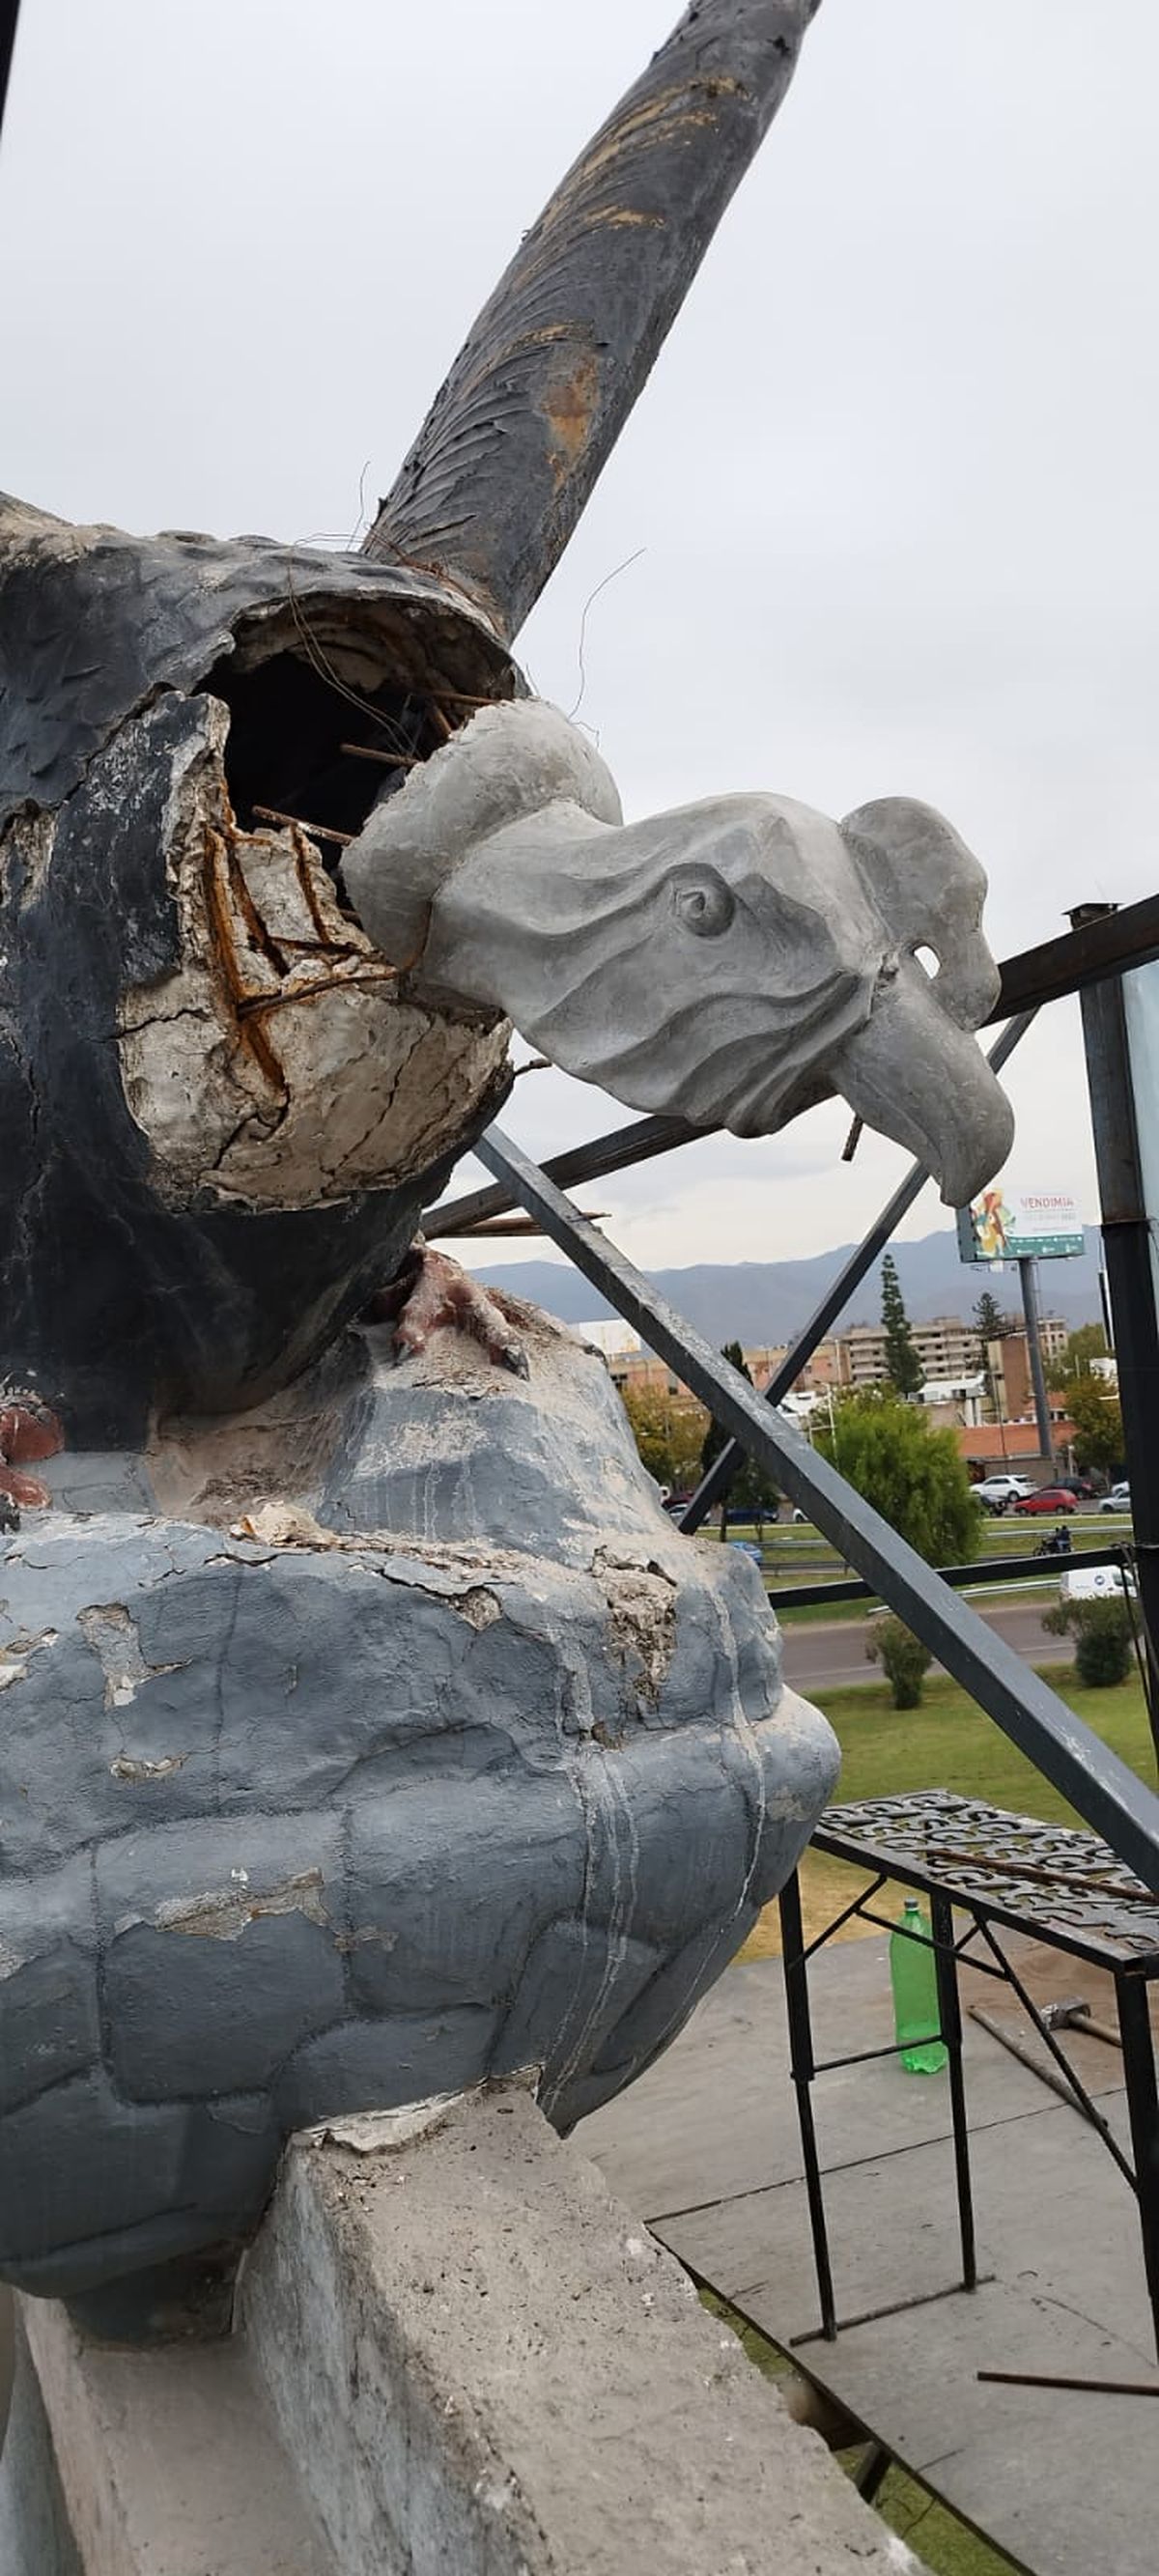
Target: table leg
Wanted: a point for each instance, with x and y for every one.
(950, 2016)
(801, 2067)
(1143, 2108)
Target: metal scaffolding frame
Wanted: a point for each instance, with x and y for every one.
(1089, 959)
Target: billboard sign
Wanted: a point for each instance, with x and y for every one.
(1008, 1224)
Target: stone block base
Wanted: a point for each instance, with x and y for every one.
(455, 2351)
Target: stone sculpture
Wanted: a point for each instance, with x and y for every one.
(367, 1728)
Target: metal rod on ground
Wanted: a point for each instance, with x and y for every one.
(1108, 1796)
(1029, 1287)
(1026, 2057)
(1089, 2387)
(1087, 2105)
(714, 1486)
(1127, 1242)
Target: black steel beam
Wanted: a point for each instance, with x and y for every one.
(9, 13)
(1130, 1277)
(985, 1569)
(1083, 1770)
(714, 1486)
(618, 1151)
(1104, 943)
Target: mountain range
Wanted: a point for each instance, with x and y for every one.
(769, 1301)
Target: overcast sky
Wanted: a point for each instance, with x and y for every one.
(894, 476)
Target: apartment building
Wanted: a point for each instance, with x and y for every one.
(947, 1351)
(946, 1348)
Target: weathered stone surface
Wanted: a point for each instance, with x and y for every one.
(49, 2026)
(300, 1826)
(732, 961)
(514, 2378)
(202, 1059)
(455, 2354)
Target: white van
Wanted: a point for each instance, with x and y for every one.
(1095, 1583)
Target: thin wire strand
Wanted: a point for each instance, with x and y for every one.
(589, 602)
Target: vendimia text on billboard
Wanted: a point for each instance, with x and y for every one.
(1009, 1224)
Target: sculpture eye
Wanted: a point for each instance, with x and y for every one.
(703, 904)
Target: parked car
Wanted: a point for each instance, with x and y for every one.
(1118, 1500)
(1080, 1486)
(748, 1547)
(995, 1493)
(1049, 1498)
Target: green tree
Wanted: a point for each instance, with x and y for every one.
(1097, 1416)
(991, 1326)
(1102, 1635)
(752, 1495)
(912, 1475)
(1088, 1343)
(903, 1658)
(668, 1431)
(902, 1365)
(989, 1323)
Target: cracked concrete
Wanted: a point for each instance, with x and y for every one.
(275, 1064)
(456, 1758)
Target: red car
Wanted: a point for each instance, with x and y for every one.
(1051, 1498)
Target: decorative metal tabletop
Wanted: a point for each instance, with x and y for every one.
(1054, 1880)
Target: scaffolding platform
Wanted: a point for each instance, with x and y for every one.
(707, 2147)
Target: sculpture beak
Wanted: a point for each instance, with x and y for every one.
(914, 1074)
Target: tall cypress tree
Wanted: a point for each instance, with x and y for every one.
(751, 1492)
(991, 1326)
(989, 1322)
(902, 1365)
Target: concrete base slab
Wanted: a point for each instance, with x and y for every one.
(456, 2351)
(1065, 2481)
(166, 2464)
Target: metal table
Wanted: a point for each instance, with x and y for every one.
(1058, 1884)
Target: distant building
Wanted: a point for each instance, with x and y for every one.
(955, 1401)
(617, 1341)
(955, 1385)
(1008, 1365)
(946, 1348)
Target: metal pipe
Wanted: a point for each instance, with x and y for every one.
(1143, 2112)
(1127, 1242)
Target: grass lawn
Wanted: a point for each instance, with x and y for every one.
(947, 1743)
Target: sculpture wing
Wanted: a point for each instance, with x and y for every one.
(511, 448)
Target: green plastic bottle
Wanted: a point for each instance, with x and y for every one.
(915, 1995)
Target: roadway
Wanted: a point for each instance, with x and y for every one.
(824, 1656)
